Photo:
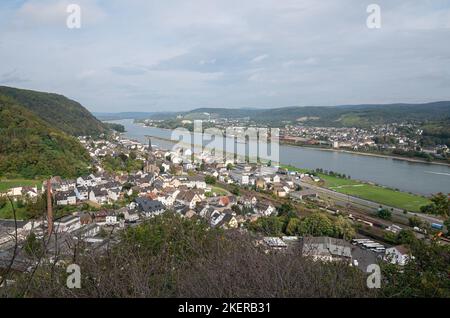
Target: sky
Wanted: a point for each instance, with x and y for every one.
(172, 55)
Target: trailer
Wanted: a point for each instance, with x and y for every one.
(437, 226)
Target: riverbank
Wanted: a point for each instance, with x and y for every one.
(410, 177)
(369, 154)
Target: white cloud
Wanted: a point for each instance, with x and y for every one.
(44, 13)
(259, 58)
(257, 53)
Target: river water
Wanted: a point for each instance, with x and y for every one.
(420, 178)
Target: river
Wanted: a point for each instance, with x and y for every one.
(415, 177)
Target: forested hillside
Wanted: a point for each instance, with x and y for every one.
(333, 116)
(30, 147)
(57, 110)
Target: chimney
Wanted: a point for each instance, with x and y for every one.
(49, 208)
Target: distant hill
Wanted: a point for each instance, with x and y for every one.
(31, 147)
(57, 110)
(338, 116)
(125, 115)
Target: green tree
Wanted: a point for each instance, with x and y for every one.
(286, 209)
(343, 228)
(447, 225)
(425, 275)
(3, 202)
(271, 226)
(384, 214)
(32, 246)
(235, 190)
(210, 179)
(406, 237)
(441, 202)
(316, 224)
(133, 155)
(415, 221)
(390, 237)
(37, 207)
(439, 206)
(292, 227)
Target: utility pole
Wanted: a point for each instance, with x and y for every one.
(49, 208)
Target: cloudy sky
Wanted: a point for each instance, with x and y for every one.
(144, 55)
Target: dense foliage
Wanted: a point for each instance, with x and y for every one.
(169, 256)
(210, 179)
(117, 127)
(29, 147)
(426, 275)
(440, 205)
(122, 163)
(56, 110)
(345, 116)
(316, 224)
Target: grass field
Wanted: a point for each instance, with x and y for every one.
(7, 213)
(401, 200)
(292, 168)
(6, 184)
(219, 191)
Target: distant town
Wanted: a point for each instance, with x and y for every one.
(401, 139)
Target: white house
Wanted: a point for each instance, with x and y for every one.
(67, 223)
(399, 255)
(17, 191)
(111, 219)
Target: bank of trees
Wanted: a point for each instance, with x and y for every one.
(440, 205)
(316, 224)
(122, 162)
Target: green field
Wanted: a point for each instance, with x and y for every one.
(292, 168)
(401, 200)
(6, 184)
(386, 196)
(7, 213)
(219, 191)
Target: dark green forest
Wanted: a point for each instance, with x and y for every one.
(30, 147)
(57, 110)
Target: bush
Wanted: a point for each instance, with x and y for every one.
(210, 180)
(384, 214)
(3, 202)
(169, 256)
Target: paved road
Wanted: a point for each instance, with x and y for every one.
(368, 204)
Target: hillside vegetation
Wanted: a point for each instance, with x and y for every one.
(333, 116)
(171, 256)
(30, 147)
(57, 110)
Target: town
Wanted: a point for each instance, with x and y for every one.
(228, 195)
(401, 139)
